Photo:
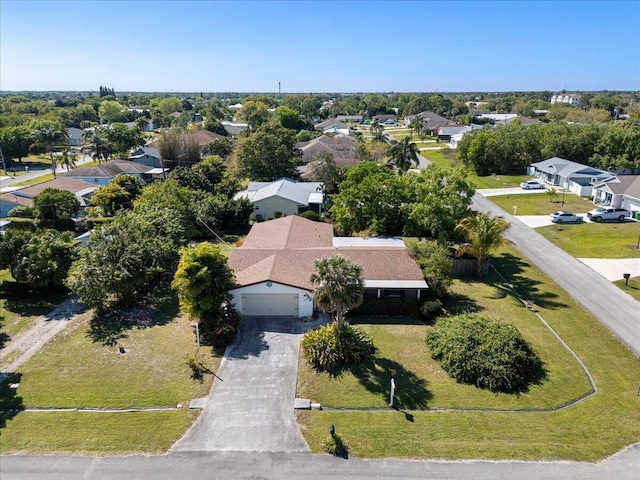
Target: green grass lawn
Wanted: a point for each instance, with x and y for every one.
(83, 368)
(541, 204)
(633, 287)
(588, 431)
(33, 181)
(595, 240)
(498, 181)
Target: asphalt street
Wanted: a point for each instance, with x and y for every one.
(615, 309)
(624, 465)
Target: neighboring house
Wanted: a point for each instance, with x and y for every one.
(103, 173)
(569, 175)
(388, 118)
(24, 196)
(431, 121)
(619, 191)
(274, 263)
(456, 137)
(234, 129)
(341, 147)
(285, 196)
(350, 118)
(148, 128)
(148, 156)
(333, 126)
(75, 136)
(506, 118)
(445, 133)
(3, 226)
(570, 98)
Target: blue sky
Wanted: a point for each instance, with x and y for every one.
(320, 46)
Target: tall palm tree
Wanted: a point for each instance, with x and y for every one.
(404, 153)
(99, 148)
(51, 139)
(377, 130)
(417, 124)
(483, 235)
(143, 123)
(339, 285)
(68, 159)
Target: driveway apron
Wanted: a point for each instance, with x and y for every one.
(251, 404)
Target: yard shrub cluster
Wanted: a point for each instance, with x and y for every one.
(484, 352)
(331, 348)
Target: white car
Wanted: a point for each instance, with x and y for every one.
(566, 217)
(531, 185)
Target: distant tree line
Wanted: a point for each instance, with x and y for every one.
(106, 91)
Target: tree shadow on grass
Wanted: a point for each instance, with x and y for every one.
(513, 269)
(28, 305)
(109, 328)
(10, 403)
(375, 375)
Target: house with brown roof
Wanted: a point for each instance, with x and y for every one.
(24, 196)
(619, 191)
(103, 173)
(273, 266)
(341, 147)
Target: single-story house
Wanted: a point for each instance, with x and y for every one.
(431, 121)
(350, 118)
(446, 132)
(75, 136)
(273, 266)
(235, 128)
(388, 118)
(342, 147)
(619, 191)
(285, 196)
(569, 175)
(103, 173)
(148, 156)
(24, 196)
(333, 126)
(456, 137)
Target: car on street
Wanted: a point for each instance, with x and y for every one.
(566, 217)
(531, 185)
(608, 213)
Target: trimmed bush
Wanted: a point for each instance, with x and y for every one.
(22, 211)
(311, 215)
(480, 351)
(330, 349)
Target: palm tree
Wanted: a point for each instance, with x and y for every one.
(68, 159)
(483, 234)
(552, 194)
(142, 123)
(404, 153)
(50, 139)
(99, 148)
(417, 124)
(339, 285)
(377, 130)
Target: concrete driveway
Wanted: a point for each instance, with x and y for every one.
(250, 407)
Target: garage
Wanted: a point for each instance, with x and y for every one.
(270, 304)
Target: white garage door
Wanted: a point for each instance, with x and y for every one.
(269, 304)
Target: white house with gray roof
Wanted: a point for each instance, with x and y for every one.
(285, 196)
(569, 175)
(619, 191)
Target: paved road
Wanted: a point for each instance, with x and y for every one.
(279, 466)
(250, 407)
(7, 182)
(615, 309)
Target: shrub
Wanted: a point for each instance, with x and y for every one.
(330, 349)
(22, 211)
(311, 215)
(431, 308)
(278, 215)
(480, 351)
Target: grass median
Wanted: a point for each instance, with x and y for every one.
(587, 431)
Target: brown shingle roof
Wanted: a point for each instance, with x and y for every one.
(284, 251)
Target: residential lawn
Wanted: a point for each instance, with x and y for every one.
(595, 240)
(444, 157)
(498, 181)
(633, 287)
(540, 204)
(33, 181)
(19, 309)
(83, 367)
(588, 431)
(82, 433)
